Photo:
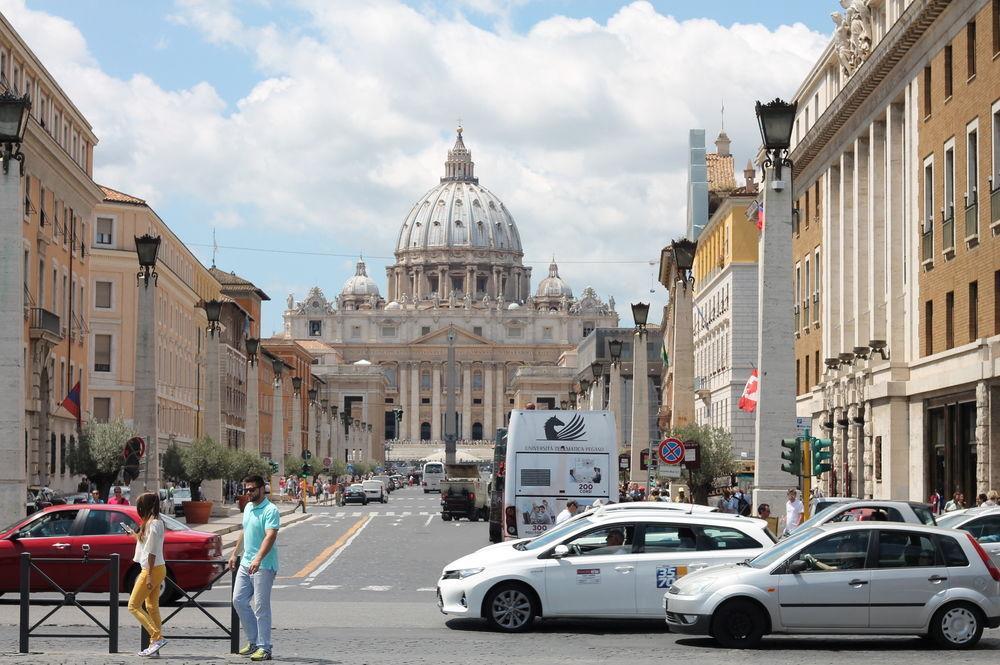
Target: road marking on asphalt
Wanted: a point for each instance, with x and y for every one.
(390, 513)
(280, 586)
(324, 587)
(427, 588)
(407, 514)
(429, 518)
(318, 565)
(376, 588)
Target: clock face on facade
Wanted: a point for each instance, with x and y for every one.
(315, 303)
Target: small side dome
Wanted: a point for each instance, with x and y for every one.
(513, 305)
(360, 284)
(553, 286)
(363, 362)
(394, 305)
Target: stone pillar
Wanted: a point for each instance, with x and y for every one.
(597, 394)
(144, 409)
(296, 433)
(278, 427)
(435, 402)
(853, 482)
(253, 409)
(982, 438)
(489, 431)
(868, 455)
(615, 404)
(776, 366)
(213, 388)
(311, 443)
(415, 401)
(404, 423)
(640, 405)
(470, 281)
(682, 356)
(13, 483)
(501, 395)
(466, 401)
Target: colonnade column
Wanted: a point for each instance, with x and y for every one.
(467, 401)
(402, 376)
(489, 431)
(415, 401)
(501, 395)
(436, 402)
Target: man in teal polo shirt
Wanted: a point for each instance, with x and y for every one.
(258, 568)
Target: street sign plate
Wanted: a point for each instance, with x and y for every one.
(671, 451)
(327, 462)
(669, 471)
(692, 460)
(801, 425)
(624, 462)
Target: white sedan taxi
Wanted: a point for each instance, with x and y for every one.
(605, 564)
(851, 578)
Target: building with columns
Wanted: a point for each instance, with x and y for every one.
(895, 149)
(458, 268)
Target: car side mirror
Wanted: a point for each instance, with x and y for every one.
(560, 552)
(798, 566)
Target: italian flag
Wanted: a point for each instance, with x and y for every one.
(748, 401)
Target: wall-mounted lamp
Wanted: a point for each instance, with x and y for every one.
(880, 347)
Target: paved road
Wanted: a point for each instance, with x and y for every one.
(357, 587)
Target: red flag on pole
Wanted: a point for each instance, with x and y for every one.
(72, 402)
(760, 216)
(748, 401)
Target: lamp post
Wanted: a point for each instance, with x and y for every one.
(615, 391)
(323, 414)
(775, 365)
(679, 334)
(584, 394)
(312, 416)
(332, 433)
(252, 436)
(597, 387)
(277, 416)
(144, 410)
(295, 436)
(13, 483)
(639, 437)
(213, 374)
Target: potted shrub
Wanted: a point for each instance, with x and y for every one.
(203, 460)
(243, 463)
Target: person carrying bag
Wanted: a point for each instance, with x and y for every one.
(149, 555)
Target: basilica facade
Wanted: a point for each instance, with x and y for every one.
(458, 273)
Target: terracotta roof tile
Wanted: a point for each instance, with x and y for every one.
(720, 172)
(234, 283)
(114, 196)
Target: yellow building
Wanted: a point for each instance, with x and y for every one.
(181, 323)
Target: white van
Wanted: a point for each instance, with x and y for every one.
(554, 456)
(432, 476)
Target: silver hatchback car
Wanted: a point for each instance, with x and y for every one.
(849, 578)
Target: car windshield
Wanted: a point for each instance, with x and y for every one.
(782, 549)
(924, 513)
(182, 493)
(355, 487)
(951, 520)
(555, 534)
(821, 516)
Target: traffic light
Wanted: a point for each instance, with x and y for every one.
(792, 455)
(822, 454)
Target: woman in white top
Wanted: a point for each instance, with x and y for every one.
(149, 555)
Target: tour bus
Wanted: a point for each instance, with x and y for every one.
(554, 456)
(432, 476)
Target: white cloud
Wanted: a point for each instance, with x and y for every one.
(580, 127)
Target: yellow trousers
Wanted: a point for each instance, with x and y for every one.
(149, 617)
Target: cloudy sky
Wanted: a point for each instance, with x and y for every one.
(303, 130)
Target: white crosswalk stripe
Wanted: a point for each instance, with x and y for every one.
(376, 588)
(324, 587)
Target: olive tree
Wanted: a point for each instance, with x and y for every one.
(99, 453)
(715, 451)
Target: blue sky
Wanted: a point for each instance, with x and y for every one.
(312, 126)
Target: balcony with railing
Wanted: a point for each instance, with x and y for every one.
(972, 218)
(43, 324)
(948, 230)
(927, 242)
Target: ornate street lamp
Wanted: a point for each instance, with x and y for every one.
(640, 313)
(253, 345)
(13, 123)
(615, 350)
(683, 251)
(146, 248)
(213, 310)
(776, 120)
(597, 369)
(312, 395)
(297, 385)
(279, 366)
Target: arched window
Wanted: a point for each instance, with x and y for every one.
(477, 431)
(425, 431)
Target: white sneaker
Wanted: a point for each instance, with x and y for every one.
(156, 646)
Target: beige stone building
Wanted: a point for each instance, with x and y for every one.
(895, 151)
(183, 282)
(59, 198)
(458, 270)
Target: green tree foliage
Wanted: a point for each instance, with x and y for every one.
(204, 460)
(98, 455)
(337, 469)
(243, 463)
(361, 468)
(293, 465)
(172, 465)
(715, 450)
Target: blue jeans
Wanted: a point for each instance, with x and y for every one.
(256, 617)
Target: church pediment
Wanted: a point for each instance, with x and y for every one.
(462, 337)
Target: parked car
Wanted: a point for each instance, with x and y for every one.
(873, 510)
(604, 564)
(463, 493)
(41, 497)
(375, 490)
(982, 523)
(60, 532)
(166, 502)
(181, 494)
(851, 578)
(356, 494)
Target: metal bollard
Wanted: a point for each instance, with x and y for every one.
(234, 618)
(114, 565)
(24, 580)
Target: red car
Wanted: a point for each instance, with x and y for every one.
(62, 531)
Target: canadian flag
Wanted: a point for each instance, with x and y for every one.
(748, 401)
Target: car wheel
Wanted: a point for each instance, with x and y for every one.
(474, 516)
(446, 517)
(510, 608)
(957, 626)
(739, 624)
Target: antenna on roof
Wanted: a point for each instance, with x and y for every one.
(722, 112)
(215, 247)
